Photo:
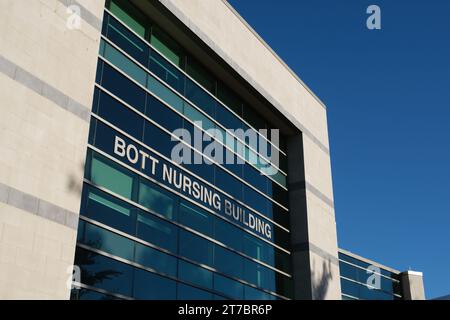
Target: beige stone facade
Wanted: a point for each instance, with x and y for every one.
(46, 86)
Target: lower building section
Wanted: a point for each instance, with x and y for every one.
(138, 240)
(362, 279)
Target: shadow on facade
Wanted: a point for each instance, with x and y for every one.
(321, 280)
(74, 183)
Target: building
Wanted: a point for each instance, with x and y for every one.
(89, 113)
(364, 279)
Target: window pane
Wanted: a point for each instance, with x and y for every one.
(149, 286)
(230, 99)
(123, 63)
(255, 294)
(259, 275)
(158, 139)
(125, 39)
(107, 174)
(156, 260)
(119, 115)
(258, 249)
(195, 218)
(163, 115)
(194, 274)
(166, 45)
(228, 183)
(85, 294)
(228, 234)
(350, 288)
(104, 273)
(122, 87)
(157, 200)
(195, 248)
(200, 98)
(229, 287)
(255, 178)
(157, 231)
(193, 114)
(163, 92)
(256, 201)
(108, 210)
(166, 72)
(200, 74)
(228, 262)
(190, 293)
(128, 15)
(108, 241)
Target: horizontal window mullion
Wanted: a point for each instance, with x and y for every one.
(190, 121)
(112, 127)
(263, 193)
(193, 80)
(178, 194)
(370, 287)
(243, 203)
(178, 280)
(149, 72)
(362, 268)
(134, 238)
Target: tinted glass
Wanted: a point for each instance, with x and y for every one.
(194, 274)
(229, 287)
(195, 248)
(156, 199)
(195, 218)
(186, 292)
(106, 209)
(156, 260)
(111, 176)
(157, 231)
(150, 286)
(104, 273)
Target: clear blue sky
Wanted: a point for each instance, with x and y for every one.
(388, 99)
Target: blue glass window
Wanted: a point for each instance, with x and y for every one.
(108, 241)
(195, 248)
(156, 260)
(228, 262)
(195, 274)
(104, 273)
(195, 218)
(149, 286)
(106, 209)
(156, 199)
(157, 231)
(229, 287)
(190, 293)
(119, 115)
(122, 87)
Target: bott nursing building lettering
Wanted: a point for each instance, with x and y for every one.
(98, 196)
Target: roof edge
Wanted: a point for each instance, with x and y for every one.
(354, 255)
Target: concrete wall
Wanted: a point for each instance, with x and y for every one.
(412, 285)
(223, 30)
(47, 76)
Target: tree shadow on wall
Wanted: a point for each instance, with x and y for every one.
(321, 280)
(84, 259)
(74, 183)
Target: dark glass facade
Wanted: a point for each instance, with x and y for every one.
(141, 236)
(355, 285)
